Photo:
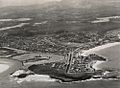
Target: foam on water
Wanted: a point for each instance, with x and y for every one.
(36, 78)
(31, 77)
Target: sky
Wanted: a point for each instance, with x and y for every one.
(30, 2)
(22, 2)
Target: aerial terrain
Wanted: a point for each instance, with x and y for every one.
(60, 44)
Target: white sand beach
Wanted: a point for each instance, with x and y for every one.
(8, 66)
(111, 51)
(96, 65)
(3, 67)
(93, 50)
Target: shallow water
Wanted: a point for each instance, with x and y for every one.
(88, 84)
(111, 52)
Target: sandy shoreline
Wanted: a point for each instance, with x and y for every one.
(3, 67)
(93, 50)
(96, 65)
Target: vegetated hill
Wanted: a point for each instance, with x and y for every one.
(60, 16)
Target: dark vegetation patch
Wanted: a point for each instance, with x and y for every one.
(58, 73)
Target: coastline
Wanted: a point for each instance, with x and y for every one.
(96, 65)
(8, 66)
(47, 78)
(36, 78)
(3, 67)
(93, 50)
